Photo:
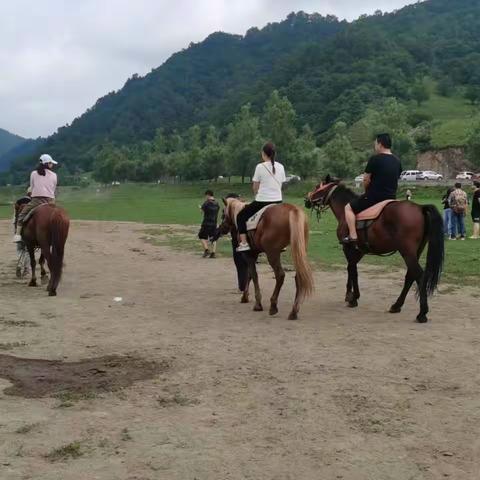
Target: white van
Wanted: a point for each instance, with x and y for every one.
(410, 175)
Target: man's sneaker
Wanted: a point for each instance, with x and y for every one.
(243, 247)
(206, 253)
(453, 238)
(212, 255)
(462, 238)
(17, 238)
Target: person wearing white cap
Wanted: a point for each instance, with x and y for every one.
(43, 184)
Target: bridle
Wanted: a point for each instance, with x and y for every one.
(323, 203)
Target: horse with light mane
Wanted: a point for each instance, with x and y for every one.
(280, 225)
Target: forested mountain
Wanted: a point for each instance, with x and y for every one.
(8, 141)
(330, 71)
(24, 149)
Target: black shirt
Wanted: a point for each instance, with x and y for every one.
(476, 204)
(446, 204)
(385, 170)
(210, 213)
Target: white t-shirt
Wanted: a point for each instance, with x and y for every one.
(270, 189)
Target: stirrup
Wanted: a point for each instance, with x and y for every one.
(17, 238)
(349, 241)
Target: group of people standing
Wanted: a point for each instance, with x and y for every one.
(455, 207)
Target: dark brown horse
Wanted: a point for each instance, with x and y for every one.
(402, 226)
(48, 230)
(280, 226)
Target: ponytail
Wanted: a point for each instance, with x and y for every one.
(270, 151)
(41, 169)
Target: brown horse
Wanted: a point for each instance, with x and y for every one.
(48, 230)
(402, 226)
(280, 226)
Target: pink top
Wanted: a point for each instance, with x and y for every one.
(43, 186)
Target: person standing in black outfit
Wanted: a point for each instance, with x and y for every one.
(210, 210)
(380, 181)
(476, 211)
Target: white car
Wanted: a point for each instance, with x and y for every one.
(429, 175)
(292, 178)
(410, 175)
(359, 179)
(465, 176)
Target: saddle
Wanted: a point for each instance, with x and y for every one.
(252, 222)
(368, 216)
(29, 215)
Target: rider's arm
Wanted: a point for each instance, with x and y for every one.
(255, 187)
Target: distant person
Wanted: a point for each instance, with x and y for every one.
(447, 214)
(210, 210)
(408, 195)
(380, 181)
(43, 183)
(476, 211)
(267, 180)
(458, 201)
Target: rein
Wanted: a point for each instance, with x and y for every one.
(324, 204)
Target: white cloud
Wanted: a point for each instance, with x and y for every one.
(59, 56)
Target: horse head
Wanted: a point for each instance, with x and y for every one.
(320, 196)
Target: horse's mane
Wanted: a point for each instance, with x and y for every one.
(234, 206)
(344, 194)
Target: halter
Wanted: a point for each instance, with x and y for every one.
(323, 203)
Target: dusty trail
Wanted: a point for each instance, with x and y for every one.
(340, 394)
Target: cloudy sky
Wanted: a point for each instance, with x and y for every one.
(59, 56)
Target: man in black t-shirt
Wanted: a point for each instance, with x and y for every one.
(210, 210)
(380, 181)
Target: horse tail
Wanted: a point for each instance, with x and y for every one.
(298, 243)
(59, 226)
(434, 234)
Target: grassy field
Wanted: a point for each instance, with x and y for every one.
(171, 204)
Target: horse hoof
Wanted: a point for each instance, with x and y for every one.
(33, 283)
(258, 308)
(422, 319)
(395, 309)
(353, 304)
(273, 310)
(52, 293)
(293, 316)
(244, 300)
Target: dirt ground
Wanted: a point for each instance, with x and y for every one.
(203, 388)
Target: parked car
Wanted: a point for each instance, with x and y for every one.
(410, 175)
(359, 178)
(292, 178)
(429, 175)
(465, 176)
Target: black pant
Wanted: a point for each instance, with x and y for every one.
(240, 264)
(250, 210)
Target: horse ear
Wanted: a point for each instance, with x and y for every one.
(328, 179)
(224, 201)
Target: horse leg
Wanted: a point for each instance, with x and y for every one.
(43, 272)
(245, 295)
(252, 268)
(411, 275)
(296, 304)
(353, 290)
(33, 264)
(275, 263)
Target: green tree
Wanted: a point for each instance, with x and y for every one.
(243, 143)
(446, 86)
(213, 155)
(278, 125)
(420, 93)
(340, 158)
(305, 160)
(472, 94)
